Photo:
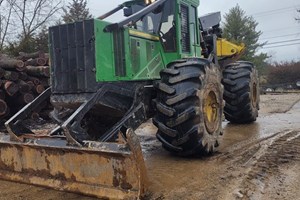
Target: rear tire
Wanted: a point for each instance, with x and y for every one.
(189, 107)
(241, 93)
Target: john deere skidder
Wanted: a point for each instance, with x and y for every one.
(161, 62)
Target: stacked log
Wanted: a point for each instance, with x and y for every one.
(22, 79)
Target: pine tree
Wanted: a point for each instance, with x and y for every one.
(239, 28)
(22, 44)
(76, 11)
(41, 40)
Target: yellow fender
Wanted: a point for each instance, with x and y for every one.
(228, 49)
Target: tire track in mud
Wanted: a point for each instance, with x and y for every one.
(281, 152)
(254, 168)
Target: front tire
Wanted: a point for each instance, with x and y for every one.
(189, 107)
(241, 94)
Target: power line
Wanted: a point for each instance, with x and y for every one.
(267, 11)
(281, 45)
(280, 29)
(279, 42)
(275, 13)
(279, 36)
(275, 10)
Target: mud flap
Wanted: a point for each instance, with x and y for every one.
(105, 170)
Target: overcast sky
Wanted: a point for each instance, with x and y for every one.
(276, 20)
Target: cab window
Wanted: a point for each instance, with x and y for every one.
(168, 27)
(149, 23)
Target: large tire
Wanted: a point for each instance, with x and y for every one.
(241, 93)
(189, 107)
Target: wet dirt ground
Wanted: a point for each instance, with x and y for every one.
(255, 161)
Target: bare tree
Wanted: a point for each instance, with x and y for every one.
(22, 20)
(5, 20)
(33, 14)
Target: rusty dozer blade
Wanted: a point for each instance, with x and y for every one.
(109, 170)
(66, 158)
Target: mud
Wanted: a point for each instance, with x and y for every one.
(255, 161)
(277, 103)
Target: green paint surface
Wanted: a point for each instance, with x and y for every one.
(144, 58)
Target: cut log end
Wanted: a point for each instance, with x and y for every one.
(11, 88)
(3, 107)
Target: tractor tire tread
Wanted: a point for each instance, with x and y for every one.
(239, 80)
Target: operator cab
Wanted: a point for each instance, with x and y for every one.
(174, 21)
(160, 21)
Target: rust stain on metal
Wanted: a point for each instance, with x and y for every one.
(114, 173)
(120, 177)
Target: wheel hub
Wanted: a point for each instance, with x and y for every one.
(211, 108)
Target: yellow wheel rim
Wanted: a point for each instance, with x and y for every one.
(211, 109)
(254, 95)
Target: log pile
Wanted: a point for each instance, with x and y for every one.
(22, 79)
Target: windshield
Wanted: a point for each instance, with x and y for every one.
(150, 23)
